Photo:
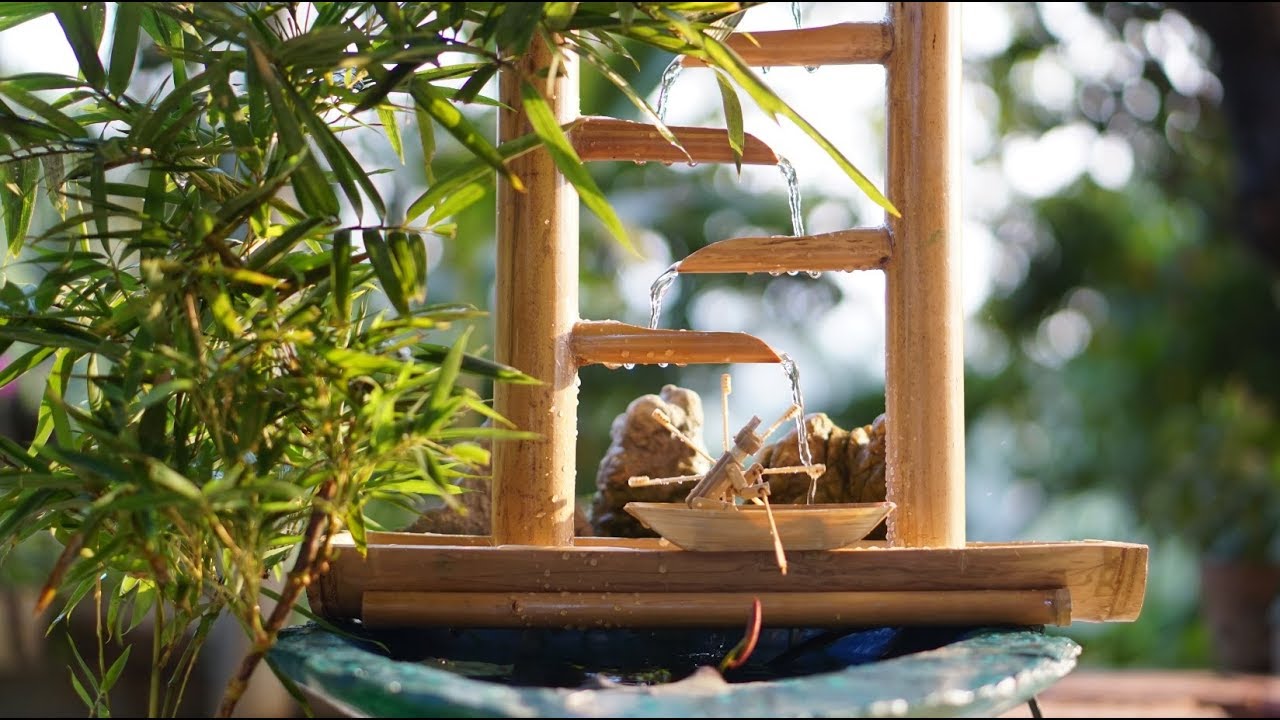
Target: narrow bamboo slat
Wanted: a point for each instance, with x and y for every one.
(390, 608)
(437, 539)
(924, 351)
(604, 138)
(608, 342)
(852, 43)
(1106, 580)
(843, 250)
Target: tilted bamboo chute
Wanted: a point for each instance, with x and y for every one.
(532, 571)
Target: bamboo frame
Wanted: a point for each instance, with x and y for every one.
(537, 270)
(850, 43)
(395, 608)
(924, 371)
(925, 573)
(603, 138)
(843, 250)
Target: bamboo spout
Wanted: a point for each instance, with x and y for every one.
(608, 342)
(844, 250)
(842, 44)
(603, 138)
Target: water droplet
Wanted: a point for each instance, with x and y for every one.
(564, 556)
(612, 366)
(795, 14)
(811, 68)
(594, 562)
(546, 573)
(764, 69)
(662, 569)
(774, 273)
(793, 195)
(692, 163)
(815, 274)
(629, 366)
(657, 291)
(793, 273)
(662, 365)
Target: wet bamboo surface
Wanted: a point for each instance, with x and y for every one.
(852, 43)
(608, 342)
(844, 250)
(604, 138)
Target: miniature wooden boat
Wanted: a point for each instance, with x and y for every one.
(800, 527)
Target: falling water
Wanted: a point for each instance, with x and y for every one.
(793, 195)
(802, 431)
(659, 290)
(795, 15)
(669, 77)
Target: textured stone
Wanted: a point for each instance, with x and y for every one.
(640, 446)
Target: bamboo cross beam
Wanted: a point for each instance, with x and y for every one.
(850, 43)
(394, 608)
(608, 342)
(603, 138)
(840, 251)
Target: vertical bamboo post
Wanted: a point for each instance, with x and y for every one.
(924, 394)
(537, 306)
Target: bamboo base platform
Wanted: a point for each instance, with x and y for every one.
(410, 579)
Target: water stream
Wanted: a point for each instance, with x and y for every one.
(802, 431)
(657, 291)
(669, 77)
(793, 195)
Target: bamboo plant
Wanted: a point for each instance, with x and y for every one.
(233, 323)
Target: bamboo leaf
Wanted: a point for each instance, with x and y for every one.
(124, 46)
(566, 159)
(434, 103)
(475, 170)
(315, 195)
(273, 250)
(449, 370)
(391, 126)
(427, 139)
(57, 120)
(162, 392)
(340, 277)
(385, 269)
(13, 14)
(733, 119)
(77, 25)
(170, 479)
(517, 25)
(412, 275)
(17, 200)
(113, 672)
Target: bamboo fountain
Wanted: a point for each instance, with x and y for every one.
(533, 572)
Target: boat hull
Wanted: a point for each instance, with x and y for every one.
(800, 527)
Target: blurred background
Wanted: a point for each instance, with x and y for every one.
(1122, 295)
